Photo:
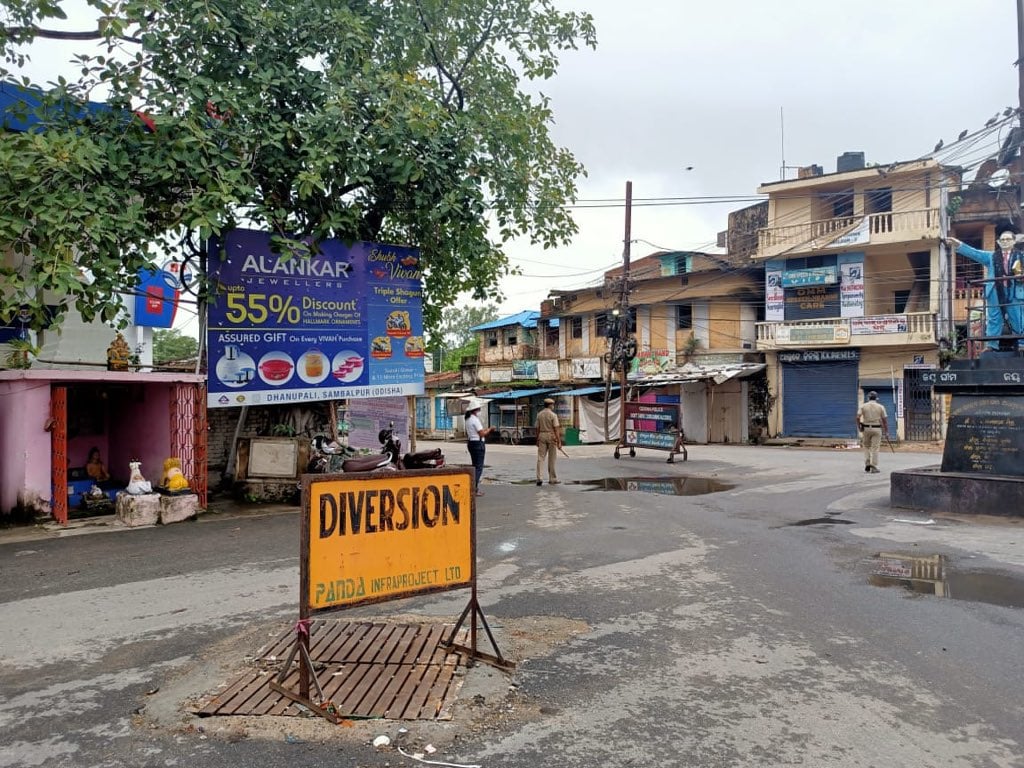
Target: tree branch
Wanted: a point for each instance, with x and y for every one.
(442, 70)
(60, 34)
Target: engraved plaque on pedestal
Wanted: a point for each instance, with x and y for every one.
(273, 457)
(985, 435)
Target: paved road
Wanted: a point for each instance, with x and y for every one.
(710, 630)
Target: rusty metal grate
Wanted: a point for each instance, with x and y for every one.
(368, 670)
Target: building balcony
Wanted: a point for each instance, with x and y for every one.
(848, 232)
(508, 353)
(908, 329)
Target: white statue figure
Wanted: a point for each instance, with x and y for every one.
(137, 484)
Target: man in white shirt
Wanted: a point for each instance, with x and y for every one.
(476, 433)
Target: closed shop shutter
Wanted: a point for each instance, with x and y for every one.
(819, 399)
(887, 398)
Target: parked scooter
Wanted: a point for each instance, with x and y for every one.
(389, 459)
(431, 459)
(327, 456)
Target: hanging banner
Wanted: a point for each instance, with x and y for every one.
(345, 322)
(859, 235)
(774, 295)
(851, 289)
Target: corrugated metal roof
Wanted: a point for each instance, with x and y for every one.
(518, 394)
(18, 106)
(692, 372)
(589, 390)
(528, 319)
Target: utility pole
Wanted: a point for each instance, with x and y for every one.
(624, 320)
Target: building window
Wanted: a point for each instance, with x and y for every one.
(684, 316)
(512, 339)
(577, 327)
(968, 271)
(492, 338)
(551, 335)
(878, 200)
(900, 300)
(842, 204)
(601, 324)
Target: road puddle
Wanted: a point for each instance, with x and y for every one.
(932, 575)
(665, 486)
(822, 521)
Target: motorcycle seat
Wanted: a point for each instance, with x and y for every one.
(364, 463)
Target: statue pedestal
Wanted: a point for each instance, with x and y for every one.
(174, 509)
(135, 511)
(982, 471)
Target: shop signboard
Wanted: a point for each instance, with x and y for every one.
(524, 369)
(876, 324)
(794, 278)
(547, 370)
(586, 367)
(345, 322)
(812, 334)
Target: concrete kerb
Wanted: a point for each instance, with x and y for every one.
(218, 509)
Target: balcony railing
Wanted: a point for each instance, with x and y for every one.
(874, 330)
(890, 227)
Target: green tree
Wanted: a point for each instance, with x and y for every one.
(378, 120)
(451, 339)
(170, 345)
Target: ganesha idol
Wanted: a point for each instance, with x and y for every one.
(173, 479)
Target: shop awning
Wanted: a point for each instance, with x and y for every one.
(518, 394)
(588, 390)
(692, 372)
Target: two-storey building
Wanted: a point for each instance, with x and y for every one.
(693, 316)
(856, 286)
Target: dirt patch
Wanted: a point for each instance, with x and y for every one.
(487, 699)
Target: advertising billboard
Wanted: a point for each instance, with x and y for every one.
(345, 322)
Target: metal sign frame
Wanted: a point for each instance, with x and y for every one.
(300, 648)
(656, 412)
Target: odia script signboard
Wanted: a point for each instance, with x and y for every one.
(369, 537)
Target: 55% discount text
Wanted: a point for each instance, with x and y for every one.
(257, 308)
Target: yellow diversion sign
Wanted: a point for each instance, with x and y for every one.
(369, 537)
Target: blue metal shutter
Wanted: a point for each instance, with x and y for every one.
(886, 396)
(819, 399)
(423, 413)
(442, 419)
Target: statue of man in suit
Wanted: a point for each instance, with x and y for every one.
(1004, 289)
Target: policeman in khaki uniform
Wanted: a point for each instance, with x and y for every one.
(872, 423)
(549, 440)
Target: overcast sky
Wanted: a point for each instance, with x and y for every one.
(679, 83)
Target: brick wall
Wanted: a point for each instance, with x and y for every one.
(307, 420)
